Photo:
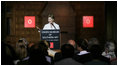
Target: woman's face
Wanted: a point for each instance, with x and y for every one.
(50, 20)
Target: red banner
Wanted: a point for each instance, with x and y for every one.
(51, 45)
(88, 22)
(29, 21)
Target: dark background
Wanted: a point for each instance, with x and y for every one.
(67, 14)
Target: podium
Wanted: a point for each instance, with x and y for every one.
(52, 37)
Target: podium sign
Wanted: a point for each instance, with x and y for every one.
(52, 36)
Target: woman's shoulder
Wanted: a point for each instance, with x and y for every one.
(56, 24)
(46, 24)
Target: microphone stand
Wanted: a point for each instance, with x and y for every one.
(53, 25)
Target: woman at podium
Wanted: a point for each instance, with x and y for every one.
(51, 25)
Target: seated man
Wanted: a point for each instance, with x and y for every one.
(98, 59)
(83, 55)
(67, 52)
(58, 55)
(73, 43)
(39, 55)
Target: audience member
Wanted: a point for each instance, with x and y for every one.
(93, 41)
(110, 51)
(67, 51)
(98, 59)
(24, 61)
(83, 55)
(84, 52)
(21, 50)
(8, 54)
(39, 55)
(58, 55)
(72, 42)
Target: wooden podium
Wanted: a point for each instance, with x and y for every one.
(53, 38)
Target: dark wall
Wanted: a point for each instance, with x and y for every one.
(69, 17)
(96, 9)
(111, 20)
(3, 23)
(12, 24)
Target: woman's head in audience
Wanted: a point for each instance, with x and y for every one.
(21, 48)
(110, 46)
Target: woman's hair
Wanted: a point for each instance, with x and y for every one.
(21, 48)
(51, 15)
(110, 46)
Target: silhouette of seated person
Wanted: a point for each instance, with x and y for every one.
(98, 59)
(8, 55)
(67, 52)
(83, 55)
(39, 55)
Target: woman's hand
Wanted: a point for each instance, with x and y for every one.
(37, 27)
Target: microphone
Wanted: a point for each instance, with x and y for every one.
(53, 25)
